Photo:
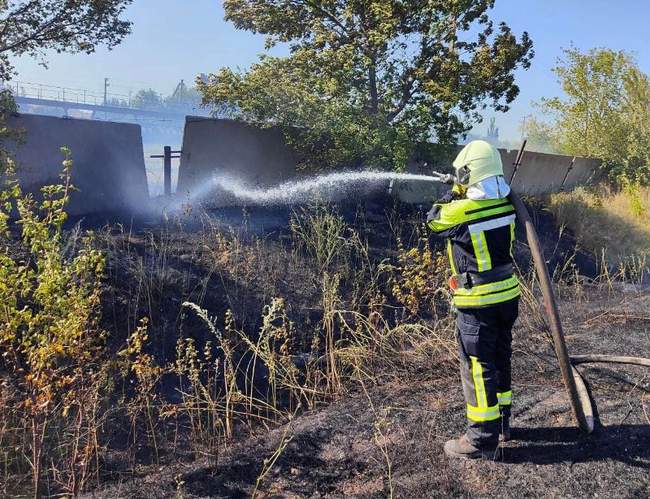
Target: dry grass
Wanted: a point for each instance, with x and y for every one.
(613, 223)
(260, 330)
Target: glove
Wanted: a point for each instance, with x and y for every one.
(434, 213)
(448, 198)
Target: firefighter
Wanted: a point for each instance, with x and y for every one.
(478, 221)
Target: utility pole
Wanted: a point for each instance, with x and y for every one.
(106, 85)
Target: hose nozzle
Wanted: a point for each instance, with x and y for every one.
(445, 178)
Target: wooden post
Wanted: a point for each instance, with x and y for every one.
(517, 162)
(167, 170)
(566, 176)
(579, 400)
(167, 157)
(576, 389)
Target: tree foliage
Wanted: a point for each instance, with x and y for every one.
(147, 99)
(369, 79)
(187, 100)
(183, 98)
(29, 27)
(604, 112)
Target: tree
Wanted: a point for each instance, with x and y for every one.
(29, 27)
(183, 98)
(367, 80)
(539, 135)
(33, 26)
(604, 112)
(147, 99)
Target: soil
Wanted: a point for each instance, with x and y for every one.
(388, 440)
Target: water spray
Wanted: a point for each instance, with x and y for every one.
(296, 191)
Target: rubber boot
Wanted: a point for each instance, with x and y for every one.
(464, 449)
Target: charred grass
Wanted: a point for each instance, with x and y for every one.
(318, 359)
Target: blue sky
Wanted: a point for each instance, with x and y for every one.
(177, 39)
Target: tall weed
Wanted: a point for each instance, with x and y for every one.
(49, 335)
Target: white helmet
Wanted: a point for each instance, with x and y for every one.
(477, 161)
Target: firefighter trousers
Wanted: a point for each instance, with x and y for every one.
(485, 347)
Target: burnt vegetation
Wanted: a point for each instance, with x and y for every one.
(190, 342)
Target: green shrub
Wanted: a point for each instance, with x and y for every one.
(49, 332)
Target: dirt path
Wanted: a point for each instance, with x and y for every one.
(352, 448)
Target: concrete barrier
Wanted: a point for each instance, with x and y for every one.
(508, 158)
(262, 158)
(584, 171)
(540, 173)
(108, 161)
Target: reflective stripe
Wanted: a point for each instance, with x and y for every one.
(479, 383)
(465, 210)
(505, 398)
(512, 238)
(482, 301)
(490, 288)
(480, 415)
(491, 224)
(483, 260)
(450, 255)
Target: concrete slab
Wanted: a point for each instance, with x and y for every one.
(108, 161)
(259, 157)
(541, 173)
(584, 171)
(508, 158)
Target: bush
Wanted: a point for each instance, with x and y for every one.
(49, 334)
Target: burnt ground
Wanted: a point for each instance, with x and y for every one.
(352, 448)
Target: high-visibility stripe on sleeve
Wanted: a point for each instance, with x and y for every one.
(505, 398)
(512, 239)
(481, 415)
(450, 254)
(466, 211)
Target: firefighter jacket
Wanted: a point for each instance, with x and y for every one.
(480, 235)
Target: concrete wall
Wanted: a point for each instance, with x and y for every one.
(539, 173)
(108, 161)
(258, 156)
(262, 158)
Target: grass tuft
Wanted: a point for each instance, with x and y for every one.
(605, 221)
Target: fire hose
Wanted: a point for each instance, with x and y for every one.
(579, 398)
(575, 385)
